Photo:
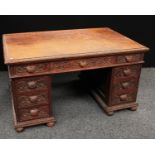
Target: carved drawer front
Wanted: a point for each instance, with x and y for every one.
(24, 101)
(33, 113)
(123, 98)
(82, 64)
(30, 69)
(124, 85)
(130, 58)
(23, 85)
(126, 71)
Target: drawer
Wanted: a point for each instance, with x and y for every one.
(82, 64)
(126, 71)
(24, 101)
(29, 69)
(33, 113)
(125, 85)
(123, 98)
(130, 58)
(31, 84)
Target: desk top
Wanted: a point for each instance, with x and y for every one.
(49, 45)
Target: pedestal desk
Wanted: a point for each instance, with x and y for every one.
(33, 56)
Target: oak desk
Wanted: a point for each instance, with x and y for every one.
(31, 57)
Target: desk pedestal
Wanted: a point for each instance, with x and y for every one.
(31, 101)
(114, 88)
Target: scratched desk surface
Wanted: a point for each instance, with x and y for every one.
(20, 47)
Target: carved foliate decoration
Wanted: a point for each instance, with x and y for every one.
(129, 58)
(119, 98)
(32, 68)
(82, 63)
(133, 71)
(119, 86)
(27, 101)
(24, 85)
(25, 114)
(124, 84)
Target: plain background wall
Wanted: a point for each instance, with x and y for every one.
(140, 28)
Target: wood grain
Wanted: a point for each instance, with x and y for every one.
(48, 45)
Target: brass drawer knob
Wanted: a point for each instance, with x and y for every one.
(124, 97)
(127, 72)
(34, 112)
(125, 85)
(32, 84)
(33, 98)
(30, 69)
(82, 63)
(129, 58)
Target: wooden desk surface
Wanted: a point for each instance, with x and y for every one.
(48, 45)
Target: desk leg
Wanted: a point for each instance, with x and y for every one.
(116, 88)
(31, 102)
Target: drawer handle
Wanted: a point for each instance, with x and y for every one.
(82, 63)
(32, 84)
(125, 85)
(33, 98)
(124, 97)
(34, 112)
(30, 69)
(129, 58)
(127, 72)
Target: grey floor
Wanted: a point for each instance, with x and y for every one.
(78, 115)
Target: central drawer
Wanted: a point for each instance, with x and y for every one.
(82, 64)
